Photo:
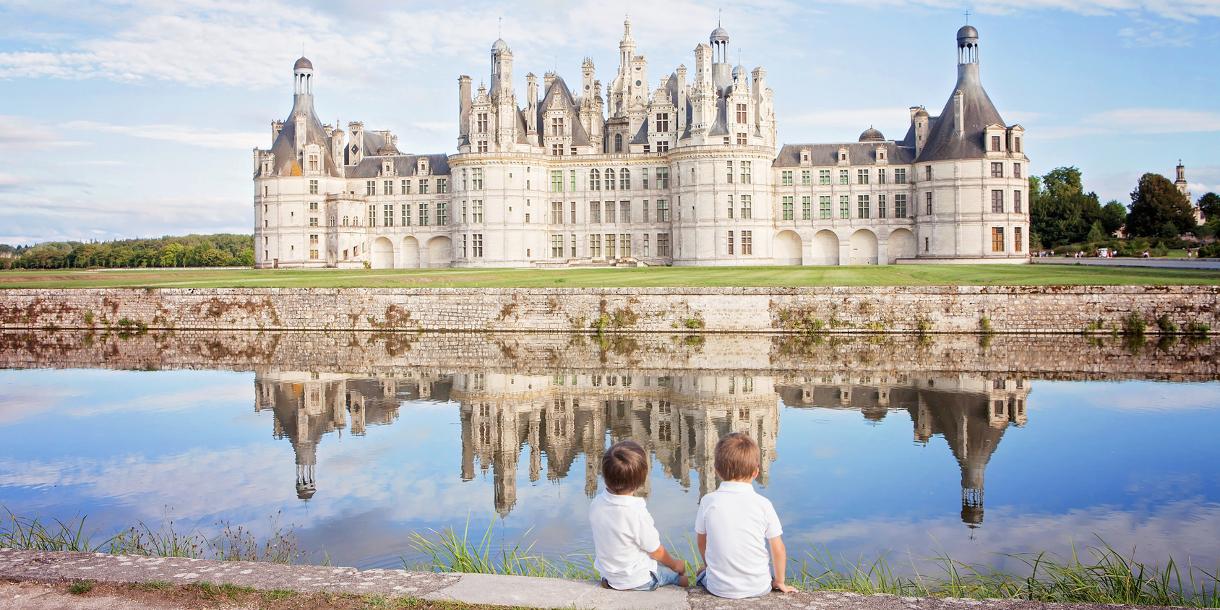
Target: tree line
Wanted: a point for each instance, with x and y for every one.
(219, 250)
(1063, 216)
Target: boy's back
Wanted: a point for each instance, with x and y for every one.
(738, 523)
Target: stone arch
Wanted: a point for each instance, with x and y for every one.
(410, 252)
(381, 255)
(440, 251)
(900, 244)
(786, 248)
(863, 245)
(825, 248)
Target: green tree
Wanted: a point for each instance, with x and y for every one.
(1158, 209)
(1096, 234)
(1209, 204)
(1060, 211)
(171, 255)
(1113, 216)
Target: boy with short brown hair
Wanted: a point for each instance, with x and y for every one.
(627, 546)
(737, 529)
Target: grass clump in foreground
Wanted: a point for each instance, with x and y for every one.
(647, 277)
(449, 551)
(1102, 575)
(234, 543)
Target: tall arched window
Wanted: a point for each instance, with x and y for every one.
(609, 180)
(595, 178)
(618, 142)
(624, 179)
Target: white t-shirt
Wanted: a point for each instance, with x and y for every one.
(738, 523)
(623, 536)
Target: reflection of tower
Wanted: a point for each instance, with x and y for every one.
(306, 406)
(972, 418)
(971, 412)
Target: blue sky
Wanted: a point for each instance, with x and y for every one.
(123, 118)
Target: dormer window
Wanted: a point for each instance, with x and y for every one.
(481, 122)
(995, 143)
(805, 156)
(387, 167)
(313, 162)
(843, 158)
(421, 166)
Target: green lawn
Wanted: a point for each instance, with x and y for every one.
(892, 275)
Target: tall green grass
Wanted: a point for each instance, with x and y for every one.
(1100, 575)
(233, 543)
(35, 535)
(450, 551)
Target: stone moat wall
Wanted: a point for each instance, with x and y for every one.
(784, 356)
(965, 309)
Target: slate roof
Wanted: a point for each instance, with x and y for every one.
(404, 166)
(978, 112)
(860, 153)
(559, 89)
(284, 147)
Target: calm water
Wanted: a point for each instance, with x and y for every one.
(869, 446)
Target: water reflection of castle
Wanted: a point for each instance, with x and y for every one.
(971, 412)
(307, 406)
(679, 418)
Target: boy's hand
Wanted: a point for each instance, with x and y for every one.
(778, 585)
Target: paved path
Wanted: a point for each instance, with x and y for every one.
(1159, 263)
(27, 569)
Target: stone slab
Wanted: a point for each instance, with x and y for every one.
(102, 567)
(528, 592)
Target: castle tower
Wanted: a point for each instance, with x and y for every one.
(504, 102)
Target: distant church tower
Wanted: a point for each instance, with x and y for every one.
(1184, 188)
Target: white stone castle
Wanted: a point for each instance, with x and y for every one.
(686, 173)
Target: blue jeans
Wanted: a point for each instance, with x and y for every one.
(663, 576)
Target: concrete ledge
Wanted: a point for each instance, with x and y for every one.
(516, 591)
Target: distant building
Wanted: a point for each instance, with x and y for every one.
(1184, 188)
(684, 173)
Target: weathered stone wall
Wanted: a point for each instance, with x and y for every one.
(1005, 309)
(784, 356)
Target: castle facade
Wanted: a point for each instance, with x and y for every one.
(688, 172)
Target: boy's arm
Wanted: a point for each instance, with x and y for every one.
(664, 558)
(779, 560)
(701, 540)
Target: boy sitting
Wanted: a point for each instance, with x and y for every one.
(737, 529)
(626, 544)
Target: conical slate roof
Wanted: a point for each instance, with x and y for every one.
(284, 147)
(944, 143)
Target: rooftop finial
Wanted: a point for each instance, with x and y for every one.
(967, 16)
(499, 27)
(718, 15)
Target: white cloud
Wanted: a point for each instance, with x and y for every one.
(1122, 121)
(28, 133)
(1178, 10)
(249, 45)
(180, 134)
